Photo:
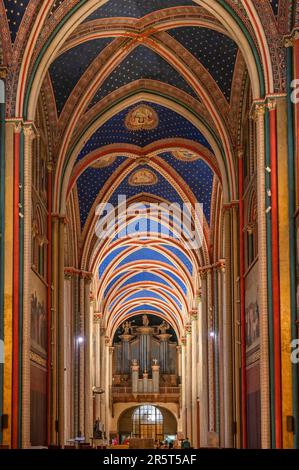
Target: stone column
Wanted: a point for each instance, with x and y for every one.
(259, 117)
(27, 212)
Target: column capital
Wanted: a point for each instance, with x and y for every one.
(193, 315)
(60, 218)
(29, 130)
(97, 317)
(226, 208)
(289, 41)
(50, 166)
(271, 104)
(17, 126)
(258, 110)
(240, 152)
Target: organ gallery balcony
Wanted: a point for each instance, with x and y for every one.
(121, 394)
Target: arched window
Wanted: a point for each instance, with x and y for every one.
(148, 422)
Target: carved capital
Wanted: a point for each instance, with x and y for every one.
(271, 104)
(258, 111)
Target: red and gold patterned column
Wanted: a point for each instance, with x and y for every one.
(284, 270)
(29, 134)
(8, 278)
(259, 117)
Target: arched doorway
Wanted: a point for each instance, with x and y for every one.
(147, 422)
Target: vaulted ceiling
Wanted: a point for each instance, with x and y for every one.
(141, 96)
(169, 161)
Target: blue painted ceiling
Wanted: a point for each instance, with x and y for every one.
(15, 10)
(135, 8)
(68, 68)
(170, 125)
(197, 174)
(214, 50)
(89, 185)
(142, 63)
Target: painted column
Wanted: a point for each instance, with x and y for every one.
(284, 270)
(68, 341)
(8, 278)
(275, 272)
(293, 145)
(242, 298)
(103, 372)
(49, 299)
(61, 334)
(54, 327)
(97, 367)
(81, 356)
(75, 348)
(17, 287)
(236, 338)
(108, 382)
(183, 387)
(189, 381)
(87, 361)
(259, 116)
(2, 241)
(227, 334)
(210, 339)
(26, 209)
(194, 378)
(203, 361)
(221, 304)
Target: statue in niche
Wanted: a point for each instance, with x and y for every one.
(127, 328)
(145, 320)
(134, 362)
(163, 327)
